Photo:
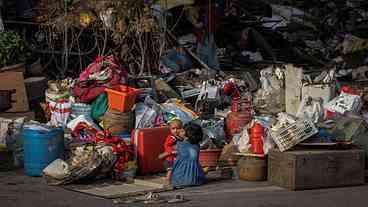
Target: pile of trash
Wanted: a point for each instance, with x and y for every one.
(310, 63)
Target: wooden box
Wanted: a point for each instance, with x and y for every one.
(312, 169)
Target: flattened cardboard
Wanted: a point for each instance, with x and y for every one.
(15, 80)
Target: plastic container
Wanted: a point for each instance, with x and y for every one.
(209, 157)
(41, 147)
(148, 145)
(121, 98)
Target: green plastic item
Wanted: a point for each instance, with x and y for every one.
(99, 107)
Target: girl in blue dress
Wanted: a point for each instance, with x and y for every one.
(186, 170)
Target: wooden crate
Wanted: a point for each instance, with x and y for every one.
(312, 169)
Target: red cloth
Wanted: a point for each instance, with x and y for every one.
(169, 147)
(86, 90)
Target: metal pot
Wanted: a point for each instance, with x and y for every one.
(6, 99)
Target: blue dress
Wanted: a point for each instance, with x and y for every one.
(186, 170)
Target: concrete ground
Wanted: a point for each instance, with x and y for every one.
(17, 190)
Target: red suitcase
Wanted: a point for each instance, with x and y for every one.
(149, 144)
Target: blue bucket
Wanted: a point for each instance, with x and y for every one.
(41, 147)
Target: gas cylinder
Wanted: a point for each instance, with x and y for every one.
(239, 117)
(255, 137)
(235, 122)
(241, 104)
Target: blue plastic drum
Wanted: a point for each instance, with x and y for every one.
(41, 147)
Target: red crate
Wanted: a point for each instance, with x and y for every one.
(148, 145)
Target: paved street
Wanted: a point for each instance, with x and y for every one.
(17, 190)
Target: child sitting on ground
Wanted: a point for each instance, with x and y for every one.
(187, 170)
(169, 154)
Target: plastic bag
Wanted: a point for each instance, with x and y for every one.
(9, 132)
(243, 141)
(180, 111)
(60, 112)
(213, 130)
(99, 106)
(58, 169)
(148, 114)
(14, 141)
(311, 109)
(271, 97)
(268, 143)
(345, 103)
(4, 127)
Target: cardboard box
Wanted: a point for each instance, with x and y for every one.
(15, 80)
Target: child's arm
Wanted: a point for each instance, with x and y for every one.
(169, 142)
(163, 155)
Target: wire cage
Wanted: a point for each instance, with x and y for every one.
(291, 135)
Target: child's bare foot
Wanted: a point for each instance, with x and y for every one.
(206, 170)
(167, 183)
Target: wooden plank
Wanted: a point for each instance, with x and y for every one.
(28, 115)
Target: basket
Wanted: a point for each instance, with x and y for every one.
(287, 137)
(121, 98)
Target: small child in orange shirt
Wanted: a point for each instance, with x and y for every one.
(169, 154)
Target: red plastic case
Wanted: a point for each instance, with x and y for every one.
(148, 145)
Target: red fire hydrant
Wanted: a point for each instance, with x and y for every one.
(256, 138)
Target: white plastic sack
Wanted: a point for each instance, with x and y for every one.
(311, 109)
(58, 169)
(59, 113)
(243, 142)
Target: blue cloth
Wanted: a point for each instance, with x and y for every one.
(186, 170)
(177, 61)
(207, 52)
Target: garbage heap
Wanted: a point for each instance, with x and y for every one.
(286, 77)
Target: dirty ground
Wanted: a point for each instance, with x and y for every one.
(17, 190)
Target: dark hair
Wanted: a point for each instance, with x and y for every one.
(193, 132)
